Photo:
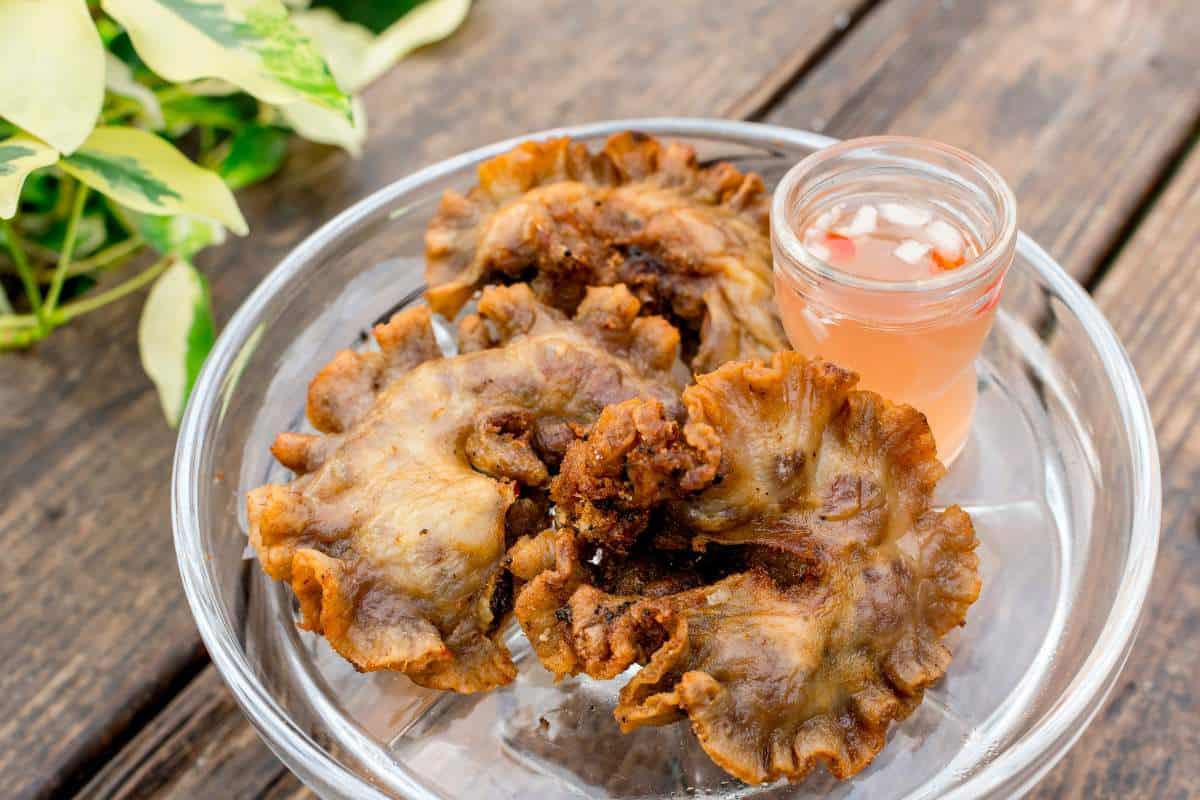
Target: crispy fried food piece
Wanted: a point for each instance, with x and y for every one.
(636, 458)
(576, 613)
(690, 241)
(778, 679)
(342, 392)
(843, 578)
(393, 534)
(572, 625)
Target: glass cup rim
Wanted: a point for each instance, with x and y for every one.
(1015, 769)
(978, 270)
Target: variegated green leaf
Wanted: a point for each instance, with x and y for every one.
(249, 43)
(143, 172)
(320, 125)
(357, 56)
(182, 234)
(119, 80)
(20, 155)
(175, 334)
(51, 69)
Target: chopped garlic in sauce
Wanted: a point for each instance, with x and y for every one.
(911, 251)
(946, 240)
(866, 219)
(903, 214)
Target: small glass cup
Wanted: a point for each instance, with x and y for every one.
(913, 341)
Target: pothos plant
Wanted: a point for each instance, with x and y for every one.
(126, 125)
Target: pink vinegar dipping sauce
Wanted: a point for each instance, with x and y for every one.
(890, 254)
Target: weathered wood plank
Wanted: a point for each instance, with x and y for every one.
(1145, 742)
(1079, 105)
(96, 629)
(1137, 66)
(198, 743)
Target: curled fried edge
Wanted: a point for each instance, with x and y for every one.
(690, 241)
(393, 534)
(845, 580)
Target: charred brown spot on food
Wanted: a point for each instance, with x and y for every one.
(551, 438)
(527, 516)
(850, 495)
(789, 465)
(502, 599)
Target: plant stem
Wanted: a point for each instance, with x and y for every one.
(21, 338)
(19, 330)
(18, 321)
(64, 259)
(27, 280)
(5, 306)
(112, 256)
(38, 252)
(63, 202)
(79, 307)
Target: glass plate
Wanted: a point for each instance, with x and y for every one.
(1060, 475)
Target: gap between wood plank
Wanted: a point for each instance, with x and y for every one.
(1172, 163)
(77, 776)
(755, 104)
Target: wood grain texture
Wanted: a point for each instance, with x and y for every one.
(1080, 105)
(198, 743)
(96, 633)
(1145, 742)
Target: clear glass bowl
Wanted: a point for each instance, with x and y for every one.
(1060, 474)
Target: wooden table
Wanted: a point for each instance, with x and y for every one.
(1090, 108)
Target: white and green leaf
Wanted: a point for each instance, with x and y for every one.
(51, 69)
(19, 156)
(183, 234)
(249, 43)
(358, 56)
(145, 173)
(118, 77)
(175, 334)
(320, 125)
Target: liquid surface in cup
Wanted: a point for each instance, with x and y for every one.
(927, 365)
(889, 240)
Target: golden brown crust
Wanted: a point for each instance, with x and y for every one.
(843, 578)
(342, 392)
(393, 535)
(572, 625)
(689, 241)
(635, 458)
(607, 315)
